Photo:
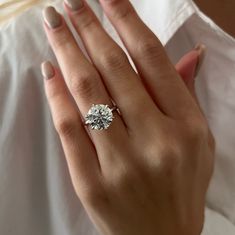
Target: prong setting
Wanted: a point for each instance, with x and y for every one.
(99, 117)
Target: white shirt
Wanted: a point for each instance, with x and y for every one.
(36, 194)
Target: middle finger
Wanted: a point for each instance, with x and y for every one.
(120, 78)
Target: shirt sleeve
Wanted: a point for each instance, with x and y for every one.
(160, 15)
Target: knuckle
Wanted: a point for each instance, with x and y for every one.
(62, 40)
(54, 92)
(168, 161)
(83, 85)
(114, 59)
(117, 178)
(86, 23)
(123, 13)
(66, 126)
(171, 168)
(161, 150)
(124, 177)
(197, 129)
(170, 158)
(96, 198)
(150, 49)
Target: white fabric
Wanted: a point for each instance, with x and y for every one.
(36, 194)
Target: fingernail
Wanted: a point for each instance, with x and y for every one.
(47, 70)
(201, 49)
(74, 4)
(52, 17)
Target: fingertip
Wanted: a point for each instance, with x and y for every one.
(52, 17)
(201, 50)
(47, 70)
(187, 65)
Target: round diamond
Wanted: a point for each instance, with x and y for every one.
(99, 117)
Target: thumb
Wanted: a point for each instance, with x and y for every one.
(189, 66)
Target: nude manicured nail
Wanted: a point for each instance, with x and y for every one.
(52, 17)
(74, 4)
(201, 48)
(47, 70)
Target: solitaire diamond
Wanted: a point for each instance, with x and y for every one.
(99, 117)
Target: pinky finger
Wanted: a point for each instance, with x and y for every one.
(79, 150)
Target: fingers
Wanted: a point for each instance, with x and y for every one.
(120, 78)
(188, 68)
(79, 150)
(151, 61)
(81, 77)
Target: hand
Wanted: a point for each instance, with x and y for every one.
(148, 173)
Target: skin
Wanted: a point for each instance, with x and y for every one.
(222, 12)
(148, 173)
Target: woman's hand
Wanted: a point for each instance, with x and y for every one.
(148, 173)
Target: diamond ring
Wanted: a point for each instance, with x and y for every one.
(100, 116)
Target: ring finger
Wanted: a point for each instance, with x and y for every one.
(81, 77)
